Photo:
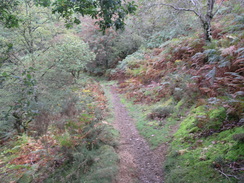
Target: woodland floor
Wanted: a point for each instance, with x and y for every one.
(138, 163)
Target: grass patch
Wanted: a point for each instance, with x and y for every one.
(105, 167)
(106, 88)
(155, 132)
(97, 164)
(101, 167)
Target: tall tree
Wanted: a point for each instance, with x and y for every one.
(22, 63)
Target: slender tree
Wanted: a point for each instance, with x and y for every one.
(204, 10)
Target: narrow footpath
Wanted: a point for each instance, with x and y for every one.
(138, 163)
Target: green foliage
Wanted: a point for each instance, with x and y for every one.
(36, 66)
(7, 17)
(181, 28)
(104, 169)
(71, 54)
(87, 143)
(178, 85)
(5, 49)
(204, 155)
(237, 24)
(106, 10)
(89, 166)
(155, 132)
(41, 68)
(22, 68)
(190, 152)
(64, 140)
(83, 145)
(201, 121)
(131, 61)
(111, 48)
(21, 90)
(44, 3)
(66, 8)
(213, 55)
(239, 137)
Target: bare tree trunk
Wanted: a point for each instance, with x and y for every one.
(207, 30)
(208, 19)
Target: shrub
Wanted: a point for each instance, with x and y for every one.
(161, 112)
(40, 124)
(110, 49)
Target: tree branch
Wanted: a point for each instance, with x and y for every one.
(48, 70)
(218, 8)
(177, 8)
(193, 2)
(197, 4)
(227, 175)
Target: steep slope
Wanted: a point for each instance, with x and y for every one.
(199, 85)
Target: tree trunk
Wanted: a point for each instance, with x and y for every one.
(207, 31)
(73, 73)
(17, 123)
(207, 21)
(106, 64)
(205, 17)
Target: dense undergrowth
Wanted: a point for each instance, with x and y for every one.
(182, 90)
(199, 86)
(73, 145)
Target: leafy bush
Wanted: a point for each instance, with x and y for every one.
(111, 48)
(71, 54)
(129, 63)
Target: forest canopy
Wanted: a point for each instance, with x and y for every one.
(107, 13)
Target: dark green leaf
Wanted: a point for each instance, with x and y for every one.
(28, 76)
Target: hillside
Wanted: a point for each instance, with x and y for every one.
(158, 101)
(199, 86)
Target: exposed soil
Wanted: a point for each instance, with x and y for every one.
(138, 163)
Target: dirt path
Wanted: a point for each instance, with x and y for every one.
(138, 163)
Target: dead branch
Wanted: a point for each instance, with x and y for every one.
(176, 8)
(227, 175)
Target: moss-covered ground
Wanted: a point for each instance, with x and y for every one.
(212, 158)
(202, 150)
